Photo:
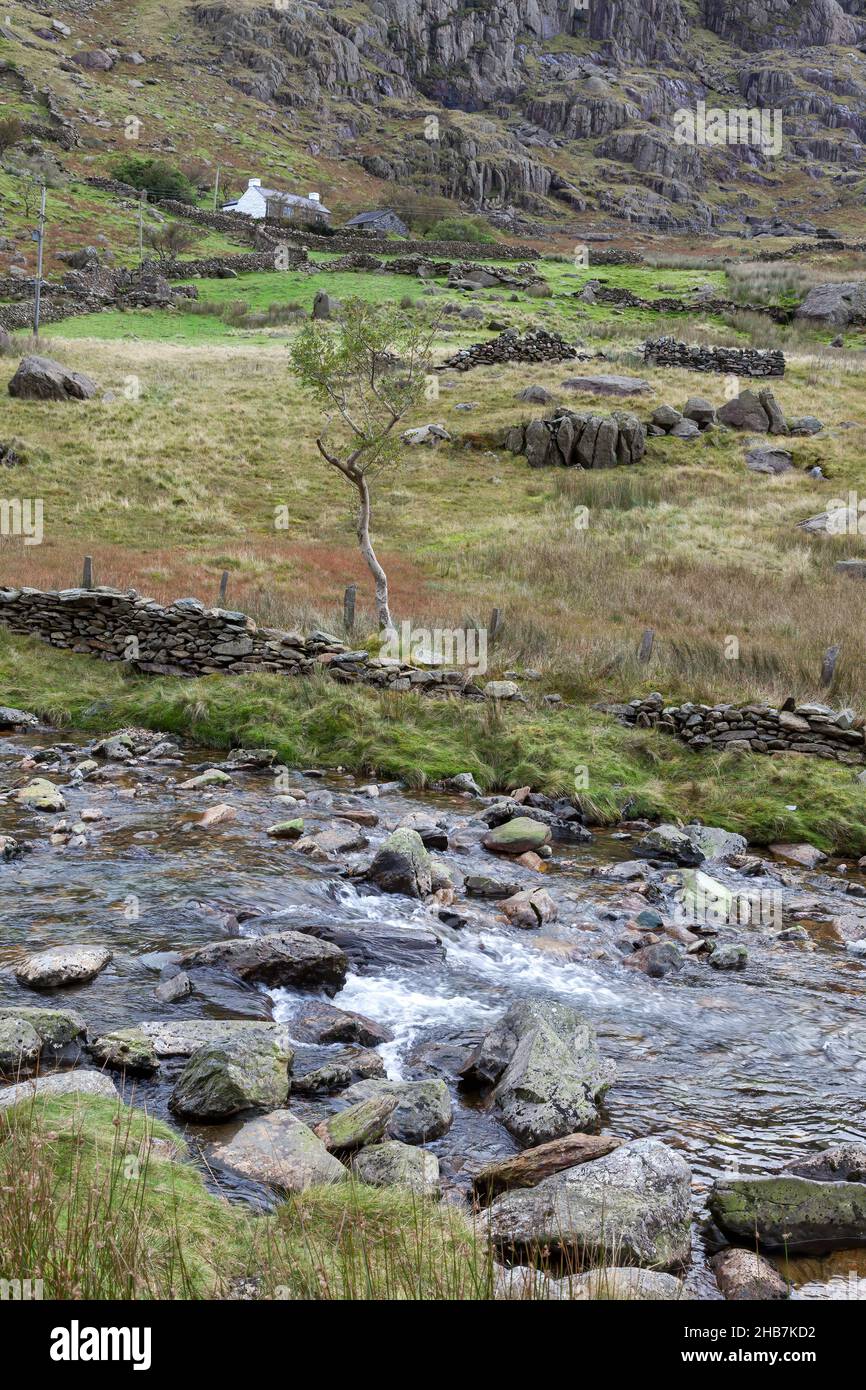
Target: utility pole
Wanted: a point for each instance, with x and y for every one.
(141, 202)
(216, 188)
(39, 236)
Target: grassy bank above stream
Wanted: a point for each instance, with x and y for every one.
(611, 770)
(97, 1201)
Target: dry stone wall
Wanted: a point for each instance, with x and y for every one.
(811, 729)
(667, 352)
(187, 639)
(536, 346)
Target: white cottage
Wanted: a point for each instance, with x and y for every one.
(260, 202)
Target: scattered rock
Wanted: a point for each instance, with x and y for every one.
(41, 379)
(61, 966)
(393, 1164)
(126, 1050)
(286, 958)
(632, 1205)
(516, 836)
(281, 1151)
(422, 1111)
(41, 795)
(402, 865)
(232, 1075)
(324, 1023)
(741, 1274)
(363, 1123)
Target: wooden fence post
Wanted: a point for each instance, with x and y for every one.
(349, 607)
(645, 650)
(828, 665)
(87, 576)
(494, 624)
(224, 584)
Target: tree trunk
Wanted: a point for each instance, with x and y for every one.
(383, 612)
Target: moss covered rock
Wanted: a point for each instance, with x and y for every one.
(790, 1213)
(233, 1075)
(126, 1050)
(516, 836)
(402, 865)
(393, 1164)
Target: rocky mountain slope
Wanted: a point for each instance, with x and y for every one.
(533, 113)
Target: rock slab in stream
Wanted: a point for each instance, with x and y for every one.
(183, 1037)
(280, 1150)
(61, 966)
(633, 1206)
(544, 1063)
(517, 836)
(283, 958)
(231, 1076)
(785, 1212)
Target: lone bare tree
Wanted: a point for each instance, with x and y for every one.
(171, 241)
(366, 371)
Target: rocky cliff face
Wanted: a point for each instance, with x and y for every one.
(527, 110)
(550, 108)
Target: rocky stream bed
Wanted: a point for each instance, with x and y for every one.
(679, 1019)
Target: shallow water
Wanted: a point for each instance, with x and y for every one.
(741, 1071)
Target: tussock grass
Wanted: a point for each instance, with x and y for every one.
(92, 1204)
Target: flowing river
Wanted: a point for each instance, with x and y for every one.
(740, 1070)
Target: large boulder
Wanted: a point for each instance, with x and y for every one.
(42, 379)
(284, 958)
(233, 1075)
(690, 845)
(786, 1212)
(631, 1207)
(544, 1065)
(61, 966)
(402, 865)
(837, 303)
(280, 1150)
(393, 1164)
(744, 412)
(422, 1110)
